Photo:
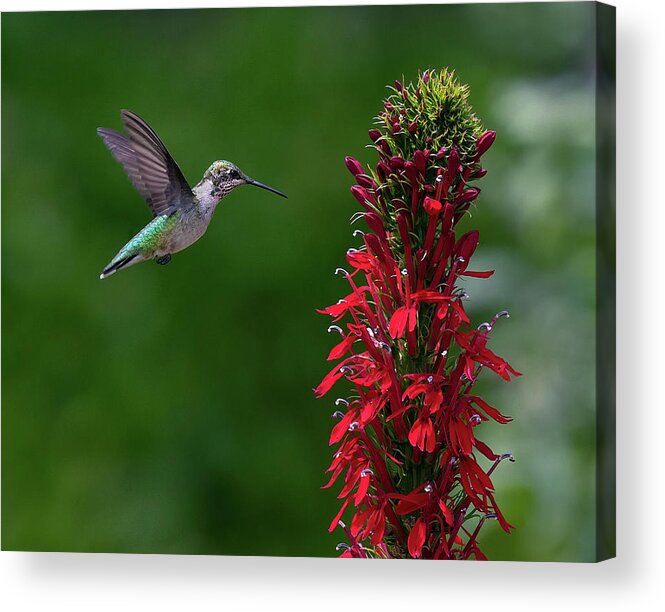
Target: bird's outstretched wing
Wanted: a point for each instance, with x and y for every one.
(148, 164)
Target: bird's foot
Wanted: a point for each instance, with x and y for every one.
(162, 261)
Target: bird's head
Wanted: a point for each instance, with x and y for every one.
(226, 176)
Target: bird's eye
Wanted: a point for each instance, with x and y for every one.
(234, 174)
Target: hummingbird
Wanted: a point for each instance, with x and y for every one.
(181, 215)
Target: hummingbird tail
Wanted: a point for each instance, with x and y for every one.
(114, 266)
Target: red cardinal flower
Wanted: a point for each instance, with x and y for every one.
(422, 434)
(408, 455)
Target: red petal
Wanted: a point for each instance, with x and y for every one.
(398, 322)
(422, 435)
(486, 274)
(415, 433)
(433, 400)
(460, 310)
(430, 437)
(358, 521)
(351, 478)
(469, 366)
(411, 503)
(379, 529)
(361, 260)
(430, 296)
(330, 379)
(460, 432)
(413, 313)
(485, 450)
(370, 409)
(363, 485)
(342, 348)
(338, 516)
(334, 477)
(491, 412)
(466, 246)
(342, 427)
(476, 472)
(447, 514)
(339, 310)
(505, 525)
(417, 538)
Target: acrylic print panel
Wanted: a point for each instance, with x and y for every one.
(170, 408)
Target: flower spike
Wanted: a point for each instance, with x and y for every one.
(413, 469)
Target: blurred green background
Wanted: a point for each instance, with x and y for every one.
(169, 409)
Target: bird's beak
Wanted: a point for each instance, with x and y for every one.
(257, 184)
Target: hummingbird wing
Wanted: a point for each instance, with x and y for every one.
(150, 167)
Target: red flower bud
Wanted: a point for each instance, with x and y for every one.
(468, 195)
(353, 165)
(365, 181)
(452, 167)
(398, 86)
(450, 173)
(425, 78)
(374, 245)
(484, 143)
(374, 135)
(448, 214)
(396, 162)
(362, 195)
(383, 169)
(420, 160)
(413, 127)
(374, 222)
(432, 206)
(384, 147)
(411, 172)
